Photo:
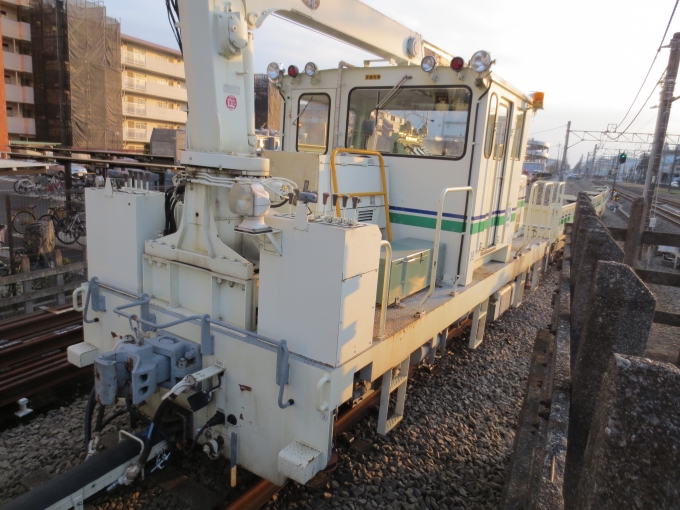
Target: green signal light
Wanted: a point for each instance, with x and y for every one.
(622, 158)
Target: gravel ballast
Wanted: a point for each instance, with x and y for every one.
(450, 451)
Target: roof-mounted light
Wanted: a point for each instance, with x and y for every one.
(480, 61)
(428, 64)
(457, 63)
(311, 69)
(273, 71)
(293, 71)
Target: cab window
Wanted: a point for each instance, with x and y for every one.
(411, 121)
(519, 132)
(490, 125)
(312, 123)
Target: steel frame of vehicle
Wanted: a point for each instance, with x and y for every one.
(198, 284)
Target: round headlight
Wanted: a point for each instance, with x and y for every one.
(428, 64)
(310, 69)
(480, 61)
(273, 71)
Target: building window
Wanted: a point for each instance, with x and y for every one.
(10, 111)
(162, 81)
(3, 14)
(163, 104)
(8, 80)
(412, 121)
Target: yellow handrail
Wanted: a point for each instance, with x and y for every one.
(367, 193)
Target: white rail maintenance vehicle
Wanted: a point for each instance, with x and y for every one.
(292, 282)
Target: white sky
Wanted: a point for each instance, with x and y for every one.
(588, 56)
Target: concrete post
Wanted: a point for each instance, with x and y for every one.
(586, 225)
(597, 246)
(619, 316)
(632, 455)
(636, 225)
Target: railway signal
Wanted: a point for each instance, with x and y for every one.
(622, 158)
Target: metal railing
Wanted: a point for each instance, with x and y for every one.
(135, 134)
(437, 239)
(382, 193)
(133, 57)
(134, 83)
(134, 108)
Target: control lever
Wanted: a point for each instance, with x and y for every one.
(326, 196)
(334, 207)
(290, 203)
(355, 204)
(345, 199)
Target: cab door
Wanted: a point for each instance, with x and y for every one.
(498, 171)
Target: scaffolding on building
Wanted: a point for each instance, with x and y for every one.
(77, 74)
(267, 104)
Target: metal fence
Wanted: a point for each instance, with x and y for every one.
(31, 278)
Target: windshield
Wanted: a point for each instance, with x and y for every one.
(416, 121)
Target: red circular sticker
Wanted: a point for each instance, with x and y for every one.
(231, 102)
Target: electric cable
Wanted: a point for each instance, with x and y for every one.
(546, 130)
(653, 62)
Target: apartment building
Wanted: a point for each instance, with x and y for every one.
(18, 69)
(154, 90)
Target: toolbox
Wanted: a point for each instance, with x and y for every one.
(411, 267)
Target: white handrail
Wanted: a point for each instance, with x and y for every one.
(533, 193)
(437, 237)
(387, 274)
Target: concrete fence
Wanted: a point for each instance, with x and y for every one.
(600, 424)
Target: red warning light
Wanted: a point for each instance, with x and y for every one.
(457, 63)
(293, 71)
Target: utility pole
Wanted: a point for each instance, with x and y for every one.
(564, 154)
(585, 172)
(557, 161)
(665, 103)
(594, 156)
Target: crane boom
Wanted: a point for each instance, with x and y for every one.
(217, 40)
(350, 21)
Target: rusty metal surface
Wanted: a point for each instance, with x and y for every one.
(33, 358)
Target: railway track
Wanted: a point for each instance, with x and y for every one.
(33, 352)
(33, 358)
(665, 209)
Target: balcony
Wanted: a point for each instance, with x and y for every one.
(152, 64)
(20, 126)
(16, 29)
(135, 134)
(133, 83)
(154, 113)
(16, 62)
(19, 94)
(166, 91)
(134, 58)
(134, 109)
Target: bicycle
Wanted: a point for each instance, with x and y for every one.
(26, 185)
(23, 218)
(68, 228)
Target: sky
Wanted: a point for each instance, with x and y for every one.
(590, 57)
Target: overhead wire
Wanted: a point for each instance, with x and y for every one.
(663, 38)
(173, 18)
(546, 130)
